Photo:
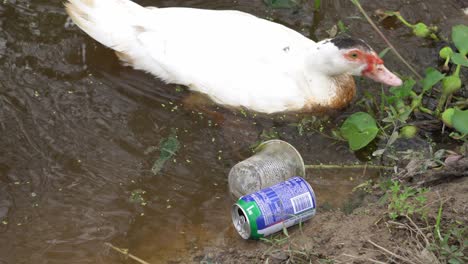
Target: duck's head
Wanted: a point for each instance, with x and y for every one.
(346, 55)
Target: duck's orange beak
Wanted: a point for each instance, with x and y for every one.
(380, 73)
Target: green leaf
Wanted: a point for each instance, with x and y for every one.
(457, 58)
(460, 38)
(384, 52)
(421, 30)
(317, 4)
(341, 26)
(460, 120)
(392, 138)
(451, 84)
(285, 231)
(445, 52)
(404, 115)
(433, 76)
(359, 129)
(408, 131)
(167, 149)
(447, 116)
(404, 90)
(282, 3)
(454, 261)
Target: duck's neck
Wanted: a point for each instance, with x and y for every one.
(332, 92)
(327, 85)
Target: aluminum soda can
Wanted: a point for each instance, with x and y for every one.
(271, 209)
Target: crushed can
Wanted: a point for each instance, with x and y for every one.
(269, 210)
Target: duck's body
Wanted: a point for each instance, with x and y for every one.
(235, 58)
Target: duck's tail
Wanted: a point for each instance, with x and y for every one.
(114, 23)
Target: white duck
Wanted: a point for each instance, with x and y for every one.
(235, 58)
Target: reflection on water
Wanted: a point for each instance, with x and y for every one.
(75, 127)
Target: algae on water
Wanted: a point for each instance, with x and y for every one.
(167, 149)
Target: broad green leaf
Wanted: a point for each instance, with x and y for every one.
(433, 76)
(282, 3)
(457, 58)
(404, 90)
(460, 38)
(460, 120)
(359, 129)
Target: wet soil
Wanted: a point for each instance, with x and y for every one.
(336, 237)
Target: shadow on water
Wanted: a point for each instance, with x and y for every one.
(76, 127)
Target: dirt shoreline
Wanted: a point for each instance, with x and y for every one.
(336, 237)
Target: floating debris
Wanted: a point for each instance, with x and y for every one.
(125, 252)
(137, 196)
(167, 149)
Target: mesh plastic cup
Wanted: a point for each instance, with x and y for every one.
(274, 161)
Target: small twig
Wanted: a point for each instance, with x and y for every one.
(125, 252)
(361, 258)
(461, 103)
(343, 166)
(378, 221)
(389, 252)
(358, 5)
(418, 230)
(416, 123)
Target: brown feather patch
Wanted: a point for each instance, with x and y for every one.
(345, 92)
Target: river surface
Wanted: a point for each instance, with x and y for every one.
(79, 131)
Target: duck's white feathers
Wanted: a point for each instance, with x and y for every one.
(235, 58)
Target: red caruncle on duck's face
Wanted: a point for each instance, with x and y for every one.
(374, 67)
(370, 59)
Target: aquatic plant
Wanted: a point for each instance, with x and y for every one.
(397, 106)
(359, 129)
(419, 29)
(167, 149)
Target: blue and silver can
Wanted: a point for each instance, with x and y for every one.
(271, 209)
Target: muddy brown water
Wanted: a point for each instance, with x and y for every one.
(75, 127)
